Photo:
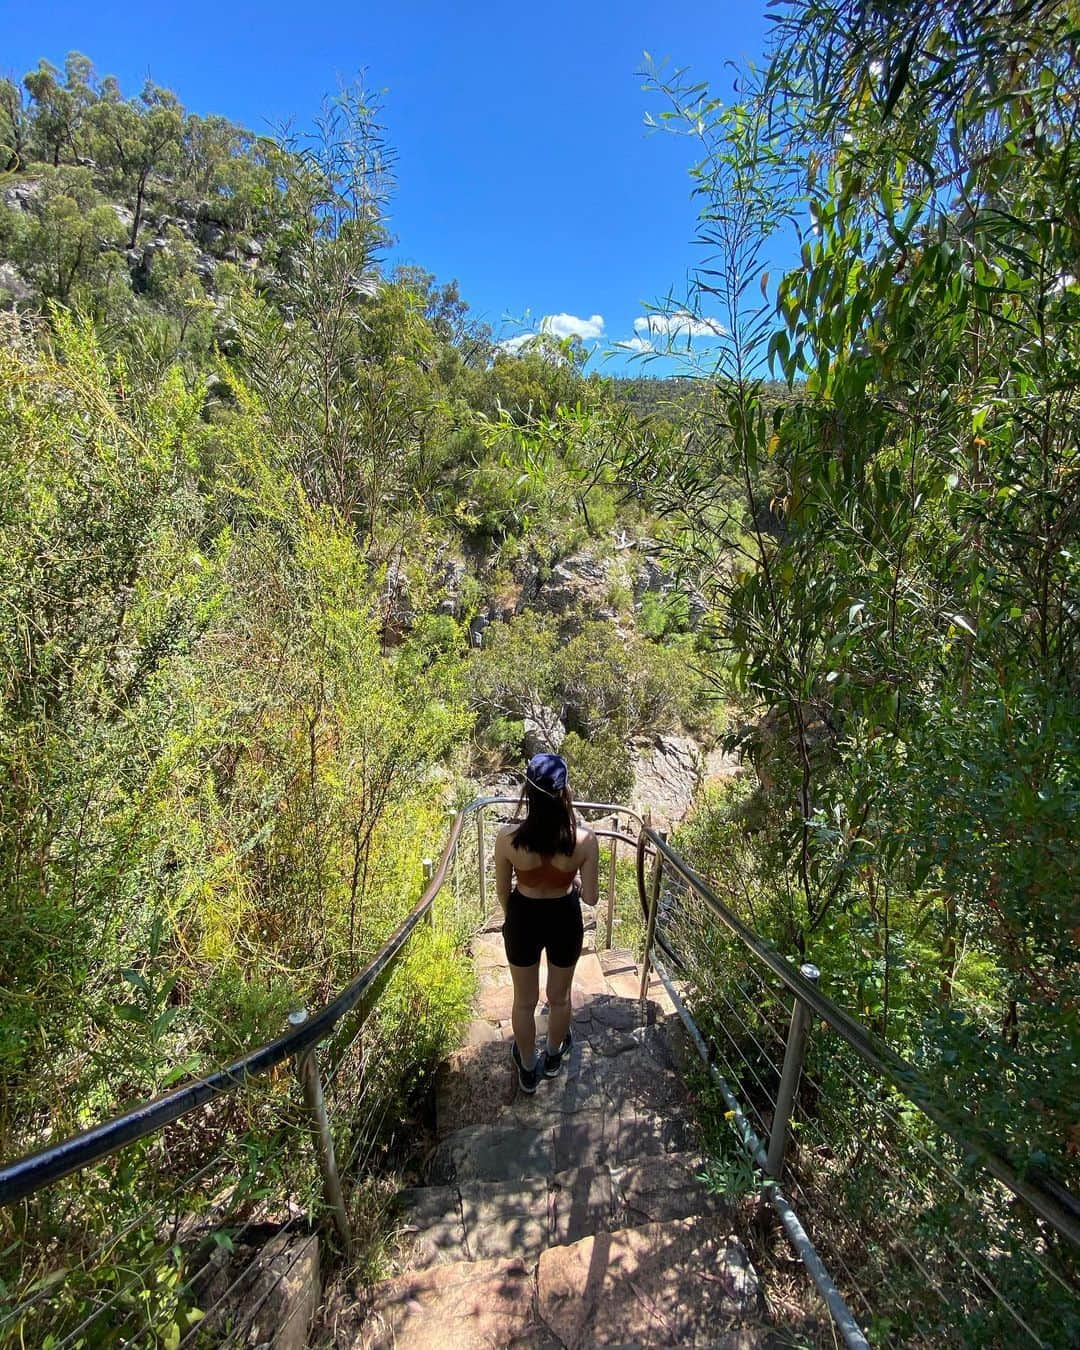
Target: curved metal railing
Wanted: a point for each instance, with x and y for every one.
(59, 1290)
(955, 1251)
(739, 1034)
(27, 1175)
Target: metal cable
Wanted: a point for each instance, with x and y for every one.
(894, 1238)
(118, 1294)
(88, 1262)
(943, 1167)
(717, 989)
(200, 1326)
(836, 1257)
(292, 1190)
(251, 1313)
(896, 1241)
(1000, 1233)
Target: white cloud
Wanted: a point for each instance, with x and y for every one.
(680, 323)
(514, 345)
(558, 326)
(636, 344)
(569, 325)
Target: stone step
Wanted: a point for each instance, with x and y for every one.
(503, 1219)
(459, 1306)
(684, 1282)
(613, 1133)
(576, 1216)
(613, 1060)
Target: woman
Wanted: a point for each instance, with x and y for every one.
(545, 853)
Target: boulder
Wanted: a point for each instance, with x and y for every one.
(399, 613)
(13, 286)
(21, 196)
(667, 772)
(719, 764)
(177, 223)
(650, 577)
(214, 238)
(265, 1294)
(476, 629)
(141, 260)
(453, 574)
(286, 1294)
(125, 217)
(575, 590)
(544, 731)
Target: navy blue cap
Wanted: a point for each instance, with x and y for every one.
(547, 772)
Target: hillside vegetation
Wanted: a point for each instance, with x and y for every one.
(261, 501)
(292, 553)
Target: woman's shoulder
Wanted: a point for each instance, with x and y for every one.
(507, 832)
(586, 839)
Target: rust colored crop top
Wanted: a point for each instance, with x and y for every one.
(546, 874)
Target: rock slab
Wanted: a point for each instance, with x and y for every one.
(469, 1305)
(680, 1283)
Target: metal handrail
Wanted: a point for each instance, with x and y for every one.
(37, 1170)
(1045, 1197)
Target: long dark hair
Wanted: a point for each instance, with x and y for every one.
(549, 825)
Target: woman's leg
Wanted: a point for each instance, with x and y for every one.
(523, 1017)
(559, 980)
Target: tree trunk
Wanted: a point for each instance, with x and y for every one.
(140, 193)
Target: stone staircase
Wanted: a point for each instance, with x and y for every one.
(575, 1217)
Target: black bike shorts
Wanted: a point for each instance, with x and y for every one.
(533, 926)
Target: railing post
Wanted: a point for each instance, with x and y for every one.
(650, 931)
(451, 814)
(429, 872)
(307, 1069)
(610, 916)
(481, 853)
(794, 1054)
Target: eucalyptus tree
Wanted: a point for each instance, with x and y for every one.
(134, 139)
(15, 127)
(54, 110)
(334, 350)
(61, 244)
(892, 552)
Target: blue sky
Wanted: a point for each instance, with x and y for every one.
(524, 168)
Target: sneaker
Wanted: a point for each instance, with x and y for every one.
(527, 1078)
(553, 1062)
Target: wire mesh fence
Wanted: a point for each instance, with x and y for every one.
(186, 1236)
(926, 1246)
(118, 1253)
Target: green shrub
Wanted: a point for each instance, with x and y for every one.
(659, 616)
(506, 736)
(600, 768)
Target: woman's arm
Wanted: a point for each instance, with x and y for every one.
(590, 871)
(503, 870)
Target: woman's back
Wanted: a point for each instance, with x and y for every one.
(546, 875)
